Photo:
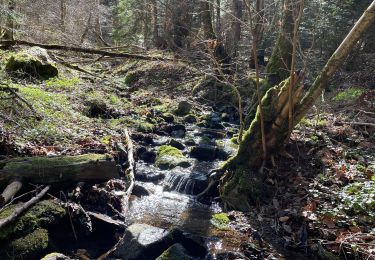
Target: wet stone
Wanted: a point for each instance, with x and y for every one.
(175, 252)
(140, 191)
(190, 142)
(204, 152)
(142, 241)
(176, 144)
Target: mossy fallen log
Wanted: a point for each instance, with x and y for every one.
(61, 169)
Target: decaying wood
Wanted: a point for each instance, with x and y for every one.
(10, 191)
(61, 169)
(17, 212)
(84, 50)
(130, 171)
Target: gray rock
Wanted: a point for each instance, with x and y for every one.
(175, 252)
(140, 191)
(183, 108)
(204, 152)
(176, 144)
(142, 241)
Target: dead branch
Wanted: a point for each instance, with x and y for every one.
(84, 50)
(17, 212)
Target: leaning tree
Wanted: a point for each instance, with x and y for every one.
(241, 178)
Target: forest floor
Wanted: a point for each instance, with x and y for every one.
(324, 197)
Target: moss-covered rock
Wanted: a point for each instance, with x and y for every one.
(220, 220)
(145, 127)
(30, 246)
(33, 62)
(175, 252)
(184, 108)
(169, 157)
(43, 214)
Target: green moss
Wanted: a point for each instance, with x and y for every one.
(62, 83)
(351, 94)
(220, 220)
(175, 252)
(31, 62)
(145, 127)
(30, 246)
(37, 162)
(169, 157)
(281, 58)
(130, 78)
(44, 213)
(322, 122)
(305, 122)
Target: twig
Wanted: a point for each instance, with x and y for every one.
(17, 212)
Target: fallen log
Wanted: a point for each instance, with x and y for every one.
(60, 169)
(102, 52)
(9, 192)
(12, 217)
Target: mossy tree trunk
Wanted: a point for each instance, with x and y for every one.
(242, 183)
(281, 57)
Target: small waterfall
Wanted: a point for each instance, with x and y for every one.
(180, 183)
(185, 183)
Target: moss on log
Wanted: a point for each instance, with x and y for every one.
(61, 169)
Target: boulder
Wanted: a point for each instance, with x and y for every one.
(140, 191)
(56, 256)
(175, 252)
(33, 62)
(142, 241)
(168, 117)
(146, 155)
(204, 152)
(150, 177)
(169, 157)
(30, 246)
(43, 214)
(184, 108)
(176, 144)
(190, 119)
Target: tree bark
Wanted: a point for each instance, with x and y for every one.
(206, 17)
(154, 22)
(234, 35)
(242, 183)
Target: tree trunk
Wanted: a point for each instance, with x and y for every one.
(234, 35)
(242, 183)
(62, 15)
(155, 25)
(208, 28)
(218, 19)
(258, 32)
(281, 58)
